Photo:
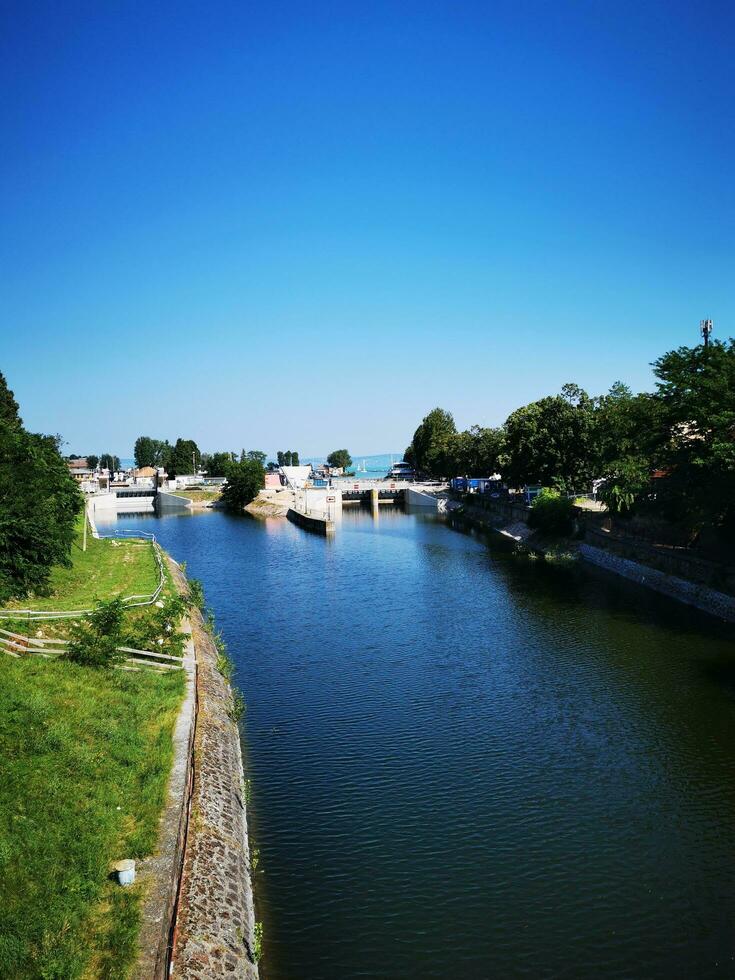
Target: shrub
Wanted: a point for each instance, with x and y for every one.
(95, 639)
(551, 512)
(157, 628)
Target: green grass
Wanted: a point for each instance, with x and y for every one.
(85, 760)
(198, 496)
(106, 569)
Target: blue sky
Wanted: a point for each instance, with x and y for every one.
(306, 224)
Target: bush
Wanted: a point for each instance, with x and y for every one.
(95, 639)
(551, 512)
(157, 628)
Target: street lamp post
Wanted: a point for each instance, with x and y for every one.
(705, 328)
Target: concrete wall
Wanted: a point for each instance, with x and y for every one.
(168, 502)
(310, 522)
(417, 498)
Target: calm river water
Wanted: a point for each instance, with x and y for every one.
(467, 765)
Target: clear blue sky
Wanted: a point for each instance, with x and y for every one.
(304, 225)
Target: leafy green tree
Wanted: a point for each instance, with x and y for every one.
(288, 458)
(294, 458)
(92, 461)
(476, 452)
(281, 457)
(433, 447)
(9, 411)
(550, 441)
(255, 454)
(184, 458)
(39, 504)
(216, 464)
(340, 457)
(148, 451)
(696, 392)
(110, 462)
(627, 482)
(244, 481)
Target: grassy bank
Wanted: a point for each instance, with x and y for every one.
(86, 756)
(107, 568)
(198, 496)
(86, 753)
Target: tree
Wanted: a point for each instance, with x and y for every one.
(294, 458)
(110, 462)
(8, 406)
(433, 445)
(340, 458)
(148, 451)
(244, 481)
(92, 461)
(255, 454)
(287, 458)
(39, 504)
(475, 452)
(281, 457)
(184, 458)
(216, 464)
(550, 441)
(696, 393)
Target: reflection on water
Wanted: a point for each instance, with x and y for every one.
(465, 765)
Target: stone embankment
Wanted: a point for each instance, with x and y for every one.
(271, 503)
(214, 932)
(510, 521)
(198, 916)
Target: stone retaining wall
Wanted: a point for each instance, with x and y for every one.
(709, 600)
(214, 933)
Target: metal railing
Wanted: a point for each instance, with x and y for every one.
(130, 601)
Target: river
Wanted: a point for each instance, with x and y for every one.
(467, 765)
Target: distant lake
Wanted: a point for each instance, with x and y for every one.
(466, 765)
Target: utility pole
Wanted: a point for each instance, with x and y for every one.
(705, 328)
(84, 535)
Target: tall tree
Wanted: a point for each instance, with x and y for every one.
(39, 504)
(433, 448)
(148, 451)
(92, 461)
(549, 441)
(696, 391)
(216, 463)
(244, 481)
(340, 458)
(8, 405)
(108, 461)
(295, 458)
(287, 458)
(281, 457)
(184, 458)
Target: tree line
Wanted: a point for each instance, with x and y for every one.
(670, 451)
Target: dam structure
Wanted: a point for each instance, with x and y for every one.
(319, 509)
